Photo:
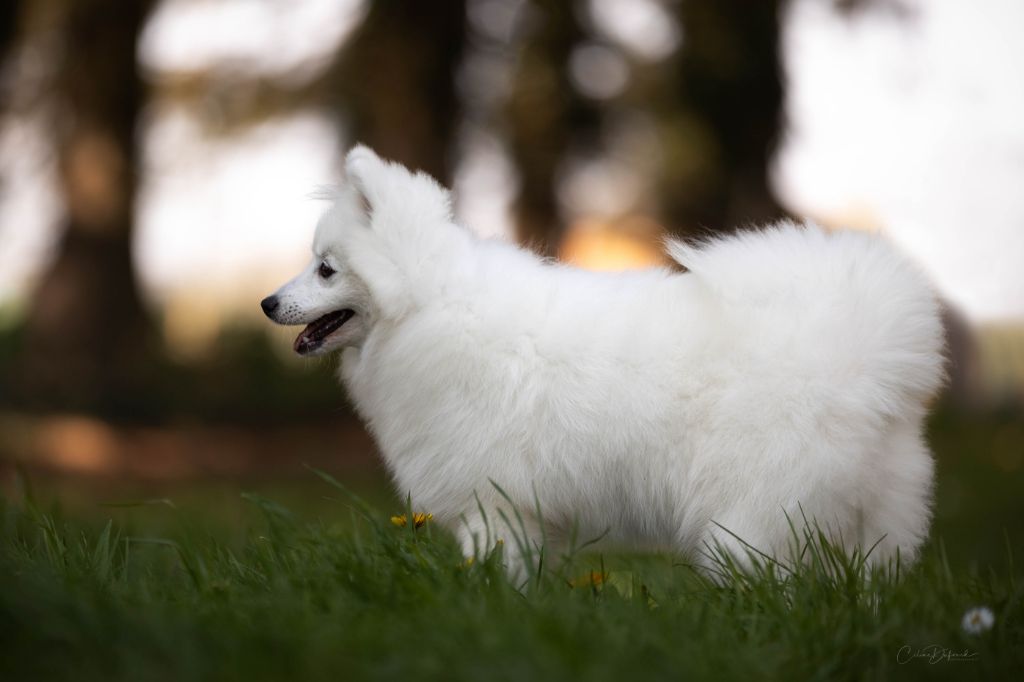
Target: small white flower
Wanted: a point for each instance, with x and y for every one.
(978, 620)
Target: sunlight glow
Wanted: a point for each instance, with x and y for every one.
(597, 71)
(230, 213)
(485, 185)
(598, 245)
(269, 37)
(29, 204)
(644, 27)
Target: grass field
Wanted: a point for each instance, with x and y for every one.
(334, 590)
(362, 598)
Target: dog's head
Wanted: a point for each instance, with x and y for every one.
(382, 214)
(328, 296)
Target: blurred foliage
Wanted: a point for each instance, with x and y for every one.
(695, 124)
(979, 510)
(242, 379)
(397, 83)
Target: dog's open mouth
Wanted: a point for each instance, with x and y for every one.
(312, 337)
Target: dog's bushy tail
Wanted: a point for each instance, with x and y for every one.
(853, 293)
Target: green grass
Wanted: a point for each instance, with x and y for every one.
(359, 598)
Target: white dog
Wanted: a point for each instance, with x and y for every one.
(784, 377)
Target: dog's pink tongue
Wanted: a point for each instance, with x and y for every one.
(304, 341)
(313, 335)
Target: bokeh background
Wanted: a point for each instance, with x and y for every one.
(157, 161)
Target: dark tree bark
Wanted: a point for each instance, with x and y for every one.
(396, 82)
(545, 117)
(724, 117)
(10, 13)
(719, 104)
(88, 337)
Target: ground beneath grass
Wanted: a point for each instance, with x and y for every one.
(362, 598)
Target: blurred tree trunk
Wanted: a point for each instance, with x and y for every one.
(543, 115)
(396, 82)
(88, 337)
(725, 116)
(10, 14)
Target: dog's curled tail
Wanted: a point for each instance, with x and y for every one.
(865, 313)
(682, 253)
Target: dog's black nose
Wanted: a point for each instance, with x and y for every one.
(269, 305)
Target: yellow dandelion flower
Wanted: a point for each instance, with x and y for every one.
(419, 519)
(593, 579)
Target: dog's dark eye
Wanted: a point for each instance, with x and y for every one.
(325, 270)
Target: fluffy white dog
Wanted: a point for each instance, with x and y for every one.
(784, 376)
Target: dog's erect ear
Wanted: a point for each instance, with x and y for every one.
(358, 153)
(364, 170)
(408, 216)
(389, 191)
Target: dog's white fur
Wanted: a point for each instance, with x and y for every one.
(785, 375)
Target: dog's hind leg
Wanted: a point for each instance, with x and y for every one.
(900, 511)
